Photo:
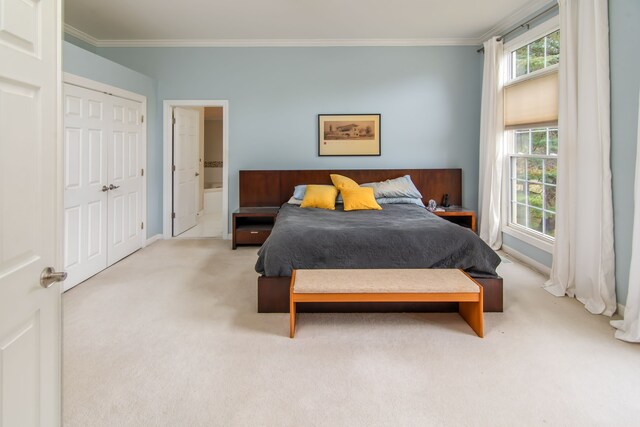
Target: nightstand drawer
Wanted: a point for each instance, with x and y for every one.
(252, 225)
(251, 237)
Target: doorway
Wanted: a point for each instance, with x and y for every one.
(195, 172)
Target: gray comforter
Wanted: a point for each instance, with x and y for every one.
(399, 236)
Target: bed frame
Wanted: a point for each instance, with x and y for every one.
(259, 188)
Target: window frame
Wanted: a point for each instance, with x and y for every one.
(518, 231)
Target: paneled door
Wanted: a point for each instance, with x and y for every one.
(186, 167)
(30, 212)
(102, 180)
(87, 130)
(124, 218)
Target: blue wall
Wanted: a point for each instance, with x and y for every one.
(624, 16)
(86, 64)
(429, 98)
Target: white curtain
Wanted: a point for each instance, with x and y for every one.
(491, 135)
(629, 328)
(583, 254)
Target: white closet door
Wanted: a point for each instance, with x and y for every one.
(185, 160)
(125, 179)
(86, 132)
(102, 181)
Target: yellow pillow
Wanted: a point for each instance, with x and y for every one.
(320, 196)
(342, 182)
(358, 199)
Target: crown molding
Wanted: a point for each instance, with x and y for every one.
(287, 42)
(73, 31)
(268, 42)
(514, 19)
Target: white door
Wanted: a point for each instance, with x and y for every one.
(30, 212)
(125, 179)
(102, 180)
(186, 129)
(87, 129)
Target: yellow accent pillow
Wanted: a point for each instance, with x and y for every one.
(320, 196)
(342, 182)
(358, 199)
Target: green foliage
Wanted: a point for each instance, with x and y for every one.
(553, 48)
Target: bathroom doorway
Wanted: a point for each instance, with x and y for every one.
(209, 218)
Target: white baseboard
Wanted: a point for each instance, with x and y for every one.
(153, 239)
(527, 260)
(621, 310)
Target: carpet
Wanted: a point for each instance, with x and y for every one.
(169, 336)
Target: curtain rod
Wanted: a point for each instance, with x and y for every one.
(524, 24)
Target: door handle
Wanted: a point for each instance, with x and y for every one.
(197, 174)
(49, 276)
(105, 188)
(113, 187)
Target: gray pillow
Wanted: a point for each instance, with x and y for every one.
(394, 188)
(299, 190)
(399, 200)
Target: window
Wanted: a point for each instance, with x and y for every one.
(535, 56)
(533, 179)
(531, 133)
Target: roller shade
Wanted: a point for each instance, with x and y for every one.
(532, 102)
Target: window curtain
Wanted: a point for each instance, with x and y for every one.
(629, 328)
(491, 145)
(583, 254)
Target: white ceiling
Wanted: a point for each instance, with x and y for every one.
(244, 21)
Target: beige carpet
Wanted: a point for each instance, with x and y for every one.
(170, 336)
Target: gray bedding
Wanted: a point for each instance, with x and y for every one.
(399, 236)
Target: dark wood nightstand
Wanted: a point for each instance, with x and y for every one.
(459, 215)
(252, 225)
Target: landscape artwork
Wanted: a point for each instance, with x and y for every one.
(349, 135)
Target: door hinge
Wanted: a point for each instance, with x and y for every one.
(142, 226)
(174, 120)
(173, 215)
(174, 168)
(142, 118)
(141, 172)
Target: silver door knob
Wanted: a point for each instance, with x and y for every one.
(105, 188)
(113, 187)
(49, 276)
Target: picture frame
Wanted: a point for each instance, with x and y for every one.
(349, 135)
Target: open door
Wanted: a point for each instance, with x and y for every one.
(186, 129)
(30, 213)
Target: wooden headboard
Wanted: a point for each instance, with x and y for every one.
(275, 187)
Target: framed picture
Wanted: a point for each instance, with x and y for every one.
(349, 135)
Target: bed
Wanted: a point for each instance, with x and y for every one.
(399, 236)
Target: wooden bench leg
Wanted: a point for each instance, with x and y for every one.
(292, 318)
(471, 312)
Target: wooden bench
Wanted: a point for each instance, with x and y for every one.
(389, 285)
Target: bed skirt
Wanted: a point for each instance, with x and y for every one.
(273, 297)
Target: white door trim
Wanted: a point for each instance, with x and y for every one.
(168, 157)
(116, 91)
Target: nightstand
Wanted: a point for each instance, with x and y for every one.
(459, 215)
(252, 225)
